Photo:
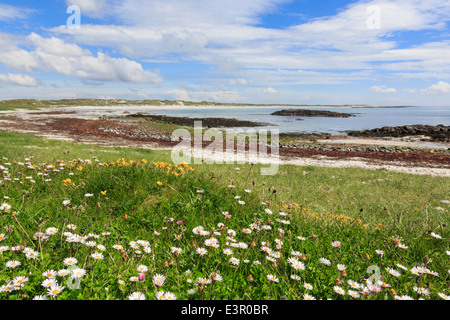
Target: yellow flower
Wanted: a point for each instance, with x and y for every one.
(103, 192)
(159, 183)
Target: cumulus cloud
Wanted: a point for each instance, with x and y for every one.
(383, 89)
(438, 88)
(17, 79)
(270, 90)
(54, 55)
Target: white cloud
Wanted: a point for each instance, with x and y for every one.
(8, 12)
(92, 8)
(54, 55)
(17, 79)
(383, 89)
(270, 90)
(440, 87)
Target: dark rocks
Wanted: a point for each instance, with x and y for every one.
(311, 113)
(436, 133)
(206, 122)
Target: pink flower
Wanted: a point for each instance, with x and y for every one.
(141, 276)
(180, 222)
(336, 244)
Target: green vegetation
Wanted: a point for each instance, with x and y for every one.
(135, 223)
(33, 104)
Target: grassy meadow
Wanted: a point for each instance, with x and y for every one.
(94, 223)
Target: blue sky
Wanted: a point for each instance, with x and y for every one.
(374, 52)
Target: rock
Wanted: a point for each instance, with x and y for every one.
(311, 113)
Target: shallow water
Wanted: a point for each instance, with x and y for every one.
(366, 118)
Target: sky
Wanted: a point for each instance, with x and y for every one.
(376, 52)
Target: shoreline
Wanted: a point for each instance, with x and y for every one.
(335, 151)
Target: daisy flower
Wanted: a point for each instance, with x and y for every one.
(201, 251)
(71, 226)
(134, 279)
(272, 278)
(353, 294)
(117, 247)
(307, 286)
(353, 284)
(54, 290)
(336, 244)
(48, 282)
(325, 261)
(51, 231)
(49, 274)
(63, 272)
(380, 252)
(308, 297)
(234, 261)
(443, 296)
(341, 267)
(40, 297)
(169, 296)
(12, 264)
(295, 277)
(339, 290)
(20, 280)
(203, 281)
(227, 251)
(136, 296)
(70, 261)
(394, 272)
(97, 256)
(78, 273)
(422, 291)
(160, 295)
(142, 268)
(158, 280)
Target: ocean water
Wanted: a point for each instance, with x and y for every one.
(366, 118)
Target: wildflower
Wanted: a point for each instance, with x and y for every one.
(301, 238)
(203, 281)
(401, 266)
(402, 246)
(136, 296)
(70, 261)
(234, 261)
(393, 272)
(87, 195)
(272, 278)
(134, 279)
(307, 286)
(101, 247)
(54, 290)
(20, 280)
(78, 273)
(295, 277)
(201, 251)
(71, 226)
(308, 297)
(49, 274)
(48, 282)
(256, 263)
(380, 252)
(341, 267)
(97, 256)
(353, 284)
(216, 277)
(158, 280)
(227, 251)
(160, 295)
(40, 297)
(422, 291)
(339, 290)
(147, 250)
(12, 264)
(66, 202)
(336, 244)
(434, 235)
(191, 291)
(325, 261)
(142, 268)
(353, 294)
(63, 272)
(169, 296)
(443, 296)
(268, 211)
(117, 247)
(297, 265)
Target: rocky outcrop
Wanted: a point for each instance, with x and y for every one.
(311, 113)
(436, 133)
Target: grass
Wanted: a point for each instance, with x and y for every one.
(137, 199)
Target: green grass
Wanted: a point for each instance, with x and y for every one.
(144, 200)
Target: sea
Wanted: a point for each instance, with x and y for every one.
(365, 118)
